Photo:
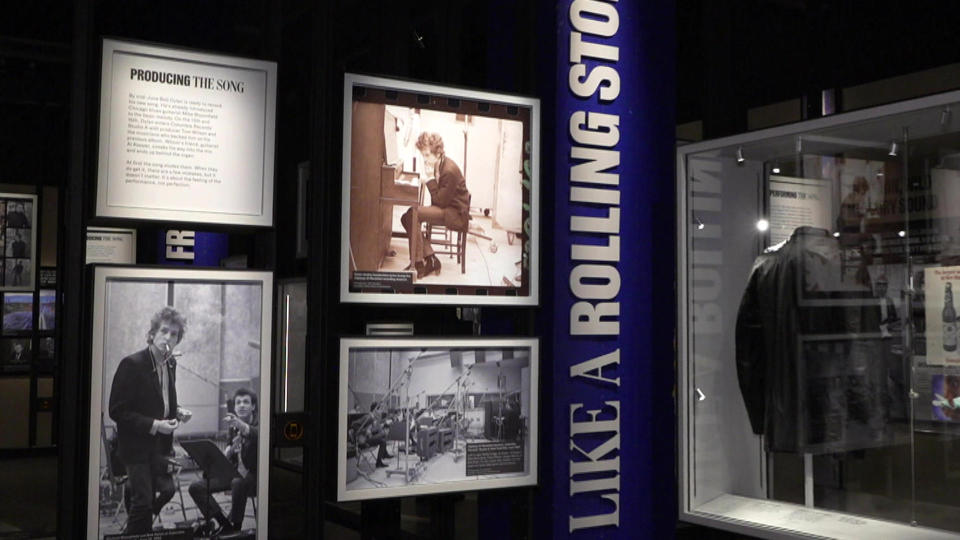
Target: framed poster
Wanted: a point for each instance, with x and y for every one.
(18, 242)
(47, 317)
(15, 355)
(440, 195)
(185, 136)
(420, 416)
(940, 314)
(111, 245)
(798, 202)
(180, 401)
(17, 311)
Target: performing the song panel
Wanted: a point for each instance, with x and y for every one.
(433, 416)
(179, 404)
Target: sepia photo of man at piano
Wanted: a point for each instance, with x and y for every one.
(449, 204)
(430, 185)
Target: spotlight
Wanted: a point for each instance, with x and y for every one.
(901, 234)
(699, 223)
(836, 234)
(775, 170)
(945, 115)
(740, 156)
(893, 149)
(763, 225)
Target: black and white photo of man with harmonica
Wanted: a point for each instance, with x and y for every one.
(143, 403)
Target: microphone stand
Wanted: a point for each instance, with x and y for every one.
(459, 413)
(390, 391)
(408, 475)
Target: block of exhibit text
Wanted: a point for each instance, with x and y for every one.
(420, 416)
(185, 136)
(180, 403)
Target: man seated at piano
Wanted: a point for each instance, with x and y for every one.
(449, 201)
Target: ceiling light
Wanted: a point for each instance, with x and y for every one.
(893, 149)
(740, 159)
(763, 225)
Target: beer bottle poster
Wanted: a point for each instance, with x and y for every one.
(942, 291)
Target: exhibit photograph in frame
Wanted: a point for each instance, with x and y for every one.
(420, 416)
(180, 402)
(17, 311)
(15, 355)
(18, 241)
(185, 136)
(440, 195)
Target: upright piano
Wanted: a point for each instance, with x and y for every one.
(375, 188)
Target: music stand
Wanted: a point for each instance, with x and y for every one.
(208, 456)
(398, 431)
(212, 462)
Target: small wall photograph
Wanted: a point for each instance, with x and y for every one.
(436, 416)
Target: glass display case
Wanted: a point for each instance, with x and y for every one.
(819, 369)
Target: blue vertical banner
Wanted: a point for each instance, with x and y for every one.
(611, 464)
(193, 248)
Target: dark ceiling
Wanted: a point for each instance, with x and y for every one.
(745, 53)
(731, 54)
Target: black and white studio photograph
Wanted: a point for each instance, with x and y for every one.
(17, 242)
(179, 403)
(438, 194)
(434, 416)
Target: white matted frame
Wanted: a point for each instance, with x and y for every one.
(242, 153)
(15, 221)
(191, 373)
(435, 99)
(432, 350)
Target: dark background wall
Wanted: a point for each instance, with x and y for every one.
(735, 55)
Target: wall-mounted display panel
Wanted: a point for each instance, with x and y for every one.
(17, 311)
(818, 380)
(18, 241)
(420, 416)
(180, 400)
(185, 136)
(440, 195)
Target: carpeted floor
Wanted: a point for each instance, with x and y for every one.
(28, 497)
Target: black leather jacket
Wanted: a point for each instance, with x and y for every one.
(807, 348)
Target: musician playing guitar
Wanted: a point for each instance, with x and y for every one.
(371, 430)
